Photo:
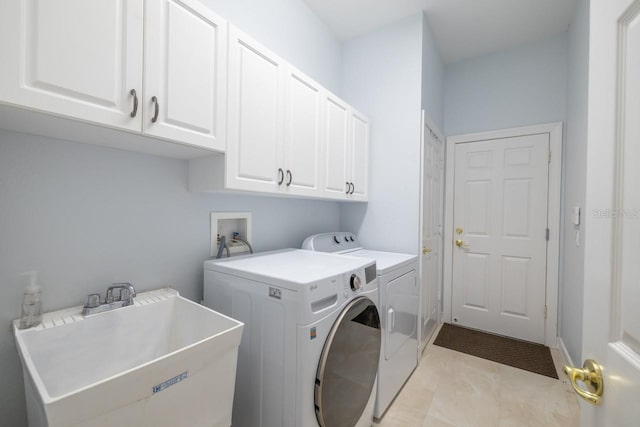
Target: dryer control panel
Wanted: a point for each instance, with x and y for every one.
(332, 242)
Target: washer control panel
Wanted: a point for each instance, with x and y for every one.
(360, 280)
(324, 294)
(352, 283)
(355, 282)
(370, 273)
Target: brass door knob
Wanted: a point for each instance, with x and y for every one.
(425, 250)
(461, 244)
(591, 376)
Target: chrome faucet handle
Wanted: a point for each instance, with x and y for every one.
(127, 292)
(93, 301)
(108, 298)
(125, 295)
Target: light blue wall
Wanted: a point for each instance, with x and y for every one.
(382, 77)
(291, 30)
(516, 87)
(86, 216)
(575, 178)
(432, 77)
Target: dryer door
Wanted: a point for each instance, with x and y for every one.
(401, 323)
(348, 365)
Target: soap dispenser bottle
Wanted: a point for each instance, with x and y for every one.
(31, 302)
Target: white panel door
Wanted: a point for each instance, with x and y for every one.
(431, 258)
(185, 73)
(74, 58)
(359, 156)
(303, 134)
(335, 159)
(611, 319)
(500, 217)
(255, 116)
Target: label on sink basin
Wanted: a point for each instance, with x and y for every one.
(171, 381)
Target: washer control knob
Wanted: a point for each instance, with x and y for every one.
(351, 237)
(346, 239)
(355, 282)
(335, 239)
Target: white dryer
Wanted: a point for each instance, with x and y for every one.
(399, 296)
(311, 345)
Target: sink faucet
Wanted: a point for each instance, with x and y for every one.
(124, 297)
(127, 292)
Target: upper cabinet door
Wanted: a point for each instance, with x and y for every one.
(335, 180)
(256, 116)
(185, 73)
(303, 134)
(75, 58)
(359, 155)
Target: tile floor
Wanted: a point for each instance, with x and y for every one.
(451, 389)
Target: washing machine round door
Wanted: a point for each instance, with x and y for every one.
(348, 365)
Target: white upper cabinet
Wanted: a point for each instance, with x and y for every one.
(359, 156)
(336, 145)
(84, 60)
(75, 58)
(185, 73)
(346, 151)
(255, 116)
(175, 71)
(303, 134)
(287, 134)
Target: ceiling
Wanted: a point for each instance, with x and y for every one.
(462, 28)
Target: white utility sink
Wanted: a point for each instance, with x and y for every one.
(164, 361)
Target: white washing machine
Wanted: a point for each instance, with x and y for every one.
(399, 296)
(311, 344)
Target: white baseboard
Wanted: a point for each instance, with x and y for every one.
(564, 353)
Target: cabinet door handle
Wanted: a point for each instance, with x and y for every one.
(348, 187)
(290, 177)
(353, 188)
(281, 175)
(156, 109)
(135, 102)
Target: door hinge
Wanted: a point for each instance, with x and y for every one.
(547, 235)
(545, 311)
(549, 158)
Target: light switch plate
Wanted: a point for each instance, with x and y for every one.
(575, 217)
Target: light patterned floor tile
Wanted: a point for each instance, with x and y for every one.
(452, 389)
(435, 422)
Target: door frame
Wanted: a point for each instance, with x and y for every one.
(427, 122)
(553, 217)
